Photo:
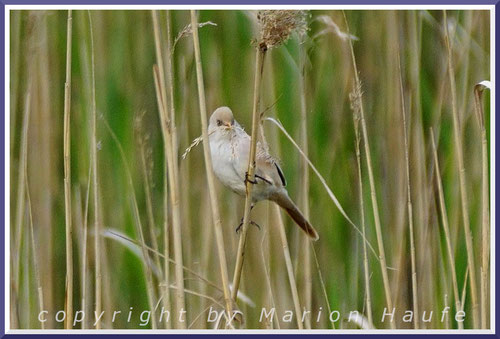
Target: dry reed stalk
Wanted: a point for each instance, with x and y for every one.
(485, 219)
(166, 228)
(268, 249)
(209, 172)
(139, 228)
(259, 65)
(366, 269)
(95, 183)
(461, 176)
(444, 220)
(145, 167)
(175, 158)
(306, 242)
(47, 150)
(68, 324)
(15, 66)
(378, 228)
(289, 268)
(414, 287)
(26, 200)
(276, 26)
(170, 154)
(166, 250)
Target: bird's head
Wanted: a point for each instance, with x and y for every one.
(222, 119)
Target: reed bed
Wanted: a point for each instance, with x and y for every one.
(380, 121)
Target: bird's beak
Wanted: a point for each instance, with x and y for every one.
(228, 125)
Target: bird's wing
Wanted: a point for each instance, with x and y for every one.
(267, 168)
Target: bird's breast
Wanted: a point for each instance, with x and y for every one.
(224, 157)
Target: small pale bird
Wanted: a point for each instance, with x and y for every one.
(230, 148)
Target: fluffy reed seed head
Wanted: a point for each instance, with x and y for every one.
(276, 26)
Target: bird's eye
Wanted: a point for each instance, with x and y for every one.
(219, 122)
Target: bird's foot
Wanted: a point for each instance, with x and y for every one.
(247, 179)
(238, 229)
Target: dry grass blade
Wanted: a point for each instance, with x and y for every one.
(216, 221)
(67, 179)
(195, 143)
(332, 27)
(323, 181)
(187, 31)
(461, 176)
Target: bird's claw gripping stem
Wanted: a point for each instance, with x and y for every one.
(247, 179)
(238, 229)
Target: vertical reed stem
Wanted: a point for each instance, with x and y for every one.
(259, 66)
(461, 176)
(378, 227)
(67, 178)
(366, 269)
(20, 210)
(95, 184)
(171, 155)
(306, 242)
(289, 269)
(444, 220)
(34, 250)
(208, 167)
(414, 287)
(286, 255)
(485, 222)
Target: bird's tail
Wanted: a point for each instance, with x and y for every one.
(293, 211)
